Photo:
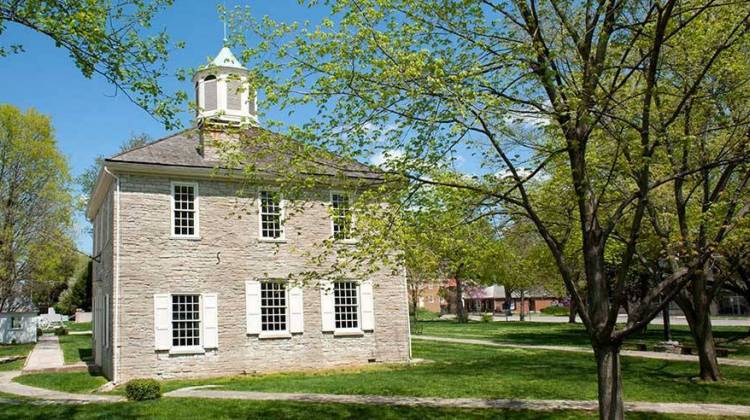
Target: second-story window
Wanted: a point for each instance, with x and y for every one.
(271, 214)
(184, 209)
(342, 216)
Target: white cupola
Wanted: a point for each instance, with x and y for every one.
(222, 92)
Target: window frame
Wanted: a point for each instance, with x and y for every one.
(282, 215)
(349, 330)
(13, 319)
(286, 332)
(196, 210)
(201, 335)
(349, 197)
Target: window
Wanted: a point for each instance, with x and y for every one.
(271, 215)
(342, 216)
(15, 323)
(186, 321)
(209, 93)
(234, 94)
(346, 304)
(273, 305)
(184, 210)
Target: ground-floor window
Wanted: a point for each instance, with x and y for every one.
(273, 306)
(15, 323)
(346, 304)
(186, 321)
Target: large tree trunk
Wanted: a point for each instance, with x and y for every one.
(610, 382)
(697, 313)
(573, 312)
(460, 310)
(703, 335)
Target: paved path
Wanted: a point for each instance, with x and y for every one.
(47, 354)
(8, 386)
(536, 405)
(675, 319)
(44, 396)
(631, 353)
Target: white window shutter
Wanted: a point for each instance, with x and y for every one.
(368, 305)
(252, 306)
(162, 321)
(327, 314)
(296, 310)
(210, 321)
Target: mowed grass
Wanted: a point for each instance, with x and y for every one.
(14, 350)
(189, 408)
(75, 382)
(76, 348)
(564, 334)
(457, 370)
(77, 326)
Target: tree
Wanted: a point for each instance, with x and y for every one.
(35, 207)
(108, 39)
(78, 292)
(87, 179)
(428, 78)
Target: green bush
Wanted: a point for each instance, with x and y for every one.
(142, 389)
(39, 332)
(486, 317)
(556, 310)
(61, 331)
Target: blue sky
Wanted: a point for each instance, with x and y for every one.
(90, 121)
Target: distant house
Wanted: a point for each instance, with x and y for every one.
(18, 325)
(495, 299)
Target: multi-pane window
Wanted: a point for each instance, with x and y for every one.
(342, 216)
(273, 304)
(270, 215)
(184, 210)
(15, 323)
(346, 304)
(186, 321)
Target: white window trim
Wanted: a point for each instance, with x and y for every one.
(350, 197)
(282, 216)
(20, 323)
(187, 349)
(106, 321)
(348, 332)
(196, 205)
(285, 333)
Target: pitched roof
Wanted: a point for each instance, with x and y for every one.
(226, 58)
(266, 151)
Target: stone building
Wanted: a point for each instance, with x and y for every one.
(192, 263)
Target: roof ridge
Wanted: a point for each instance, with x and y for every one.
(151, 143)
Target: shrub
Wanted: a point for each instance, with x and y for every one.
(142, 389)
(39, 332)
(486, 317)
(556, 310)
(61, 331)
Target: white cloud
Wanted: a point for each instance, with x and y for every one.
(382, 157)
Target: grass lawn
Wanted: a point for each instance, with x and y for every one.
(167, 408)
(14, 350)
(538, 333)
(73, 326)
(424, 315)
(76, 382)
(484, 372)
(76, 348)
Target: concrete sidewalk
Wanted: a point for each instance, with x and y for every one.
(630, 353)
(621, 319)
(47, 354)
(535, 405)
(9, 387)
